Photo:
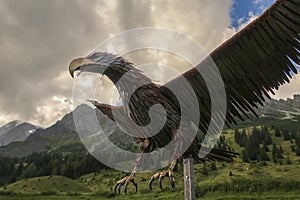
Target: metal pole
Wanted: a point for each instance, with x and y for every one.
(188, 171)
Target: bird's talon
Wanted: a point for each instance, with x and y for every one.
(125, 187)
(172, 181)
(160, 182)
(150, 183)
(117, 187)
(160, 176)
(125, 181)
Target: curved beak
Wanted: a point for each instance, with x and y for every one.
(75, 65)
(84, 64)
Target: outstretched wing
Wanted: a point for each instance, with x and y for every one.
(253, 63)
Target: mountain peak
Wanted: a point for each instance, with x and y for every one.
(9, 126)
(16, 131)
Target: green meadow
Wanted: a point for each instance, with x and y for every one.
(236, 180)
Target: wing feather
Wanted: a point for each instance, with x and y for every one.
(253, 63)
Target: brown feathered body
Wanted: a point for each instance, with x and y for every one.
(166, 134)
(252, 64)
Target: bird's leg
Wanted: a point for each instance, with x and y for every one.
(128, 179)
(138, 162)
(170, 172)
(161, 175)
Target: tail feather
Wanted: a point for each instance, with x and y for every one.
(214, 154)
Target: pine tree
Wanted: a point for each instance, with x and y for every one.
(280, 150)
(293, 134)
(265, 146)
(213, 166)
(204, 169)
(243, 139)
(263, 155)
(19, 169)
(276, 153)
(237, 136)
(277, 132)
(245, 157)
(286, 135)
(297, 142)
(293, 148)
(265, 136)
(31, 171)
(68, 171)
(252, 148)
(255, 136)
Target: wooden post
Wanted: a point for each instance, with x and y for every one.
(188, 171)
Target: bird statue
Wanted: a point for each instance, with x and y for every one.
(253, 63)
(117, 113)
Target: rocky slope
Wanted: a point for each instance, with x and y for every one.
(281, 109)
(8, 127)
(16, 131)
(83, 124)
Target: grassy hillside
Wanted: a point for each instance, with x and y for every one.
(237, 180)
(45, 185)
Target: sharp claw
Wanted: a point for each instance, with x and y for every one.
(150, 183)
(125, 187)
(117, 186)
(136, 187)
(160, 182)
(172, 183)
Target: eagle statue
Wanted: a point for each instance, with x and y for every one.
(253, 63)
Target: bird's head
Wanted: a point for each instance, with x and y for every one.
(77, 64)
(103, 63)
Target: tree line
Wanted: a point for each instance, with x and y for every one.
(257, 141)
(46, 164)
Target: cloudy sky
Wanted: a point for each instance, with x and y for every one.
(38, 39)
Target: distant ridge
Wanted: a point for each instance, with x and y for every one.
(9, 126)
(62, 133)
(21, 138)
(281, 109)
(16, 131)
